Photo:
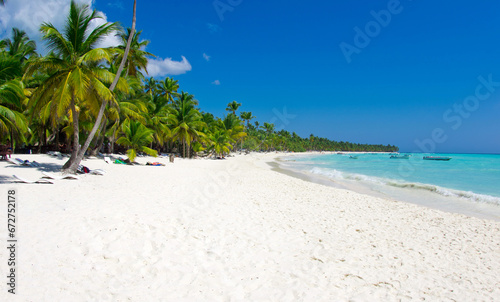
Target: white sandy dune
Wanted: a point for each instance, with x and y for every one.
(234, 230)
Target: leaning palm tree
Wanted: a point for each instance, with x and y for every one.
(77, 78)
(233, 106)
(137, 57)
(136, 137)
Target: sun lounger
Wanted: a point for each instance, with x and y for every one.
(13, 161)
(39, 181)
(18, 161)
(53, 176)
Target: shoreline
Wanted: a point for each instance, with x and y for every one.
(237, 230)
(449, 204)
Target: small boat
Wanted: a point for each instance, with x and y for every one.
(353, 157)
(406, 156)
(444, 158)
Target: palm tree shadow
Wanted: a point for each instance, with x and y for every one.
(42, 167)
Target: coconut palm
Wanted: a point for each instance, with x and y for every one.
(137, 59)
(268, 127)
(220, 143)
(233, 126)
(136, 137)
(186, 121)
(168, 89)
(12, 120)
(157, 116)
(77, 79)
(247, 116)
(20, 46)
(151, 85)
(233, 106)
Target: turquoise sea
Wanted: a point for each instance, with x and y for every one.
(468, 183)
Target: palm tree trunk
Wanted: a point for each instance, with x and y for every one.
(76, 140)
(57, 138)
(100, 137)
(183, 148)
(72, 166)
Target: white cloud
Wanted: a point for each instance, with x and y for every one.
(206, 57)
(163, 67)
(28, 15)
(216, 82)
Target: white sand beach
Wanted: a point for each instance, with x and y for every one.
(234, 230)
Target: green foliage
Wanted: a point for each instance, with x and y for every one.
(62, 92)
(136, 137)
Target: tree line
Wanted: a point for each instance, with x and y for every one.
(82, 99)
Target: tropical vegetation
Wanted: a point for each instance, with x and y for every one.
(82, 99)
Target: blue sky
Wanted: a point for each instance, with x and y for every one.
(424, 77)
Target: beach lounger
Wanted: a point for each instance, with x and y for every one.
(57, 177)
(13, 161)
(27, 163)
(39, 181)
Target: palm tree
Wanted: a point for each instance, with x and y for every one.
(157, 116)
(12, 120)
(233, 106)
(268, 127)
(220, 143)
(168, 89)
(137, 58)
(247, 116)
(20, 46)
(233, 126)
(151, 85)
(77, 79)
(186, 121)
(136, 137)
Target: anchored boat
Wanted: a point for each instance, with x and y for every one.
(443, 158)
(406, 156)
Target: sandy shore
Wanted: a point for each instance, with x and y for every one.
(234, 230)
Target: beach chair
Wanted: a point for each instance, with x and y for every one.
(27, 163)
(13, 161)
(57, 177)
(39, 181)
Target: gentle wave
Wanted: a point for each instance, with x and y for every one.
(471, 196)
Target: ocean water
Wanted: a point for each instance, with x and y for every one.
(468, 183)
